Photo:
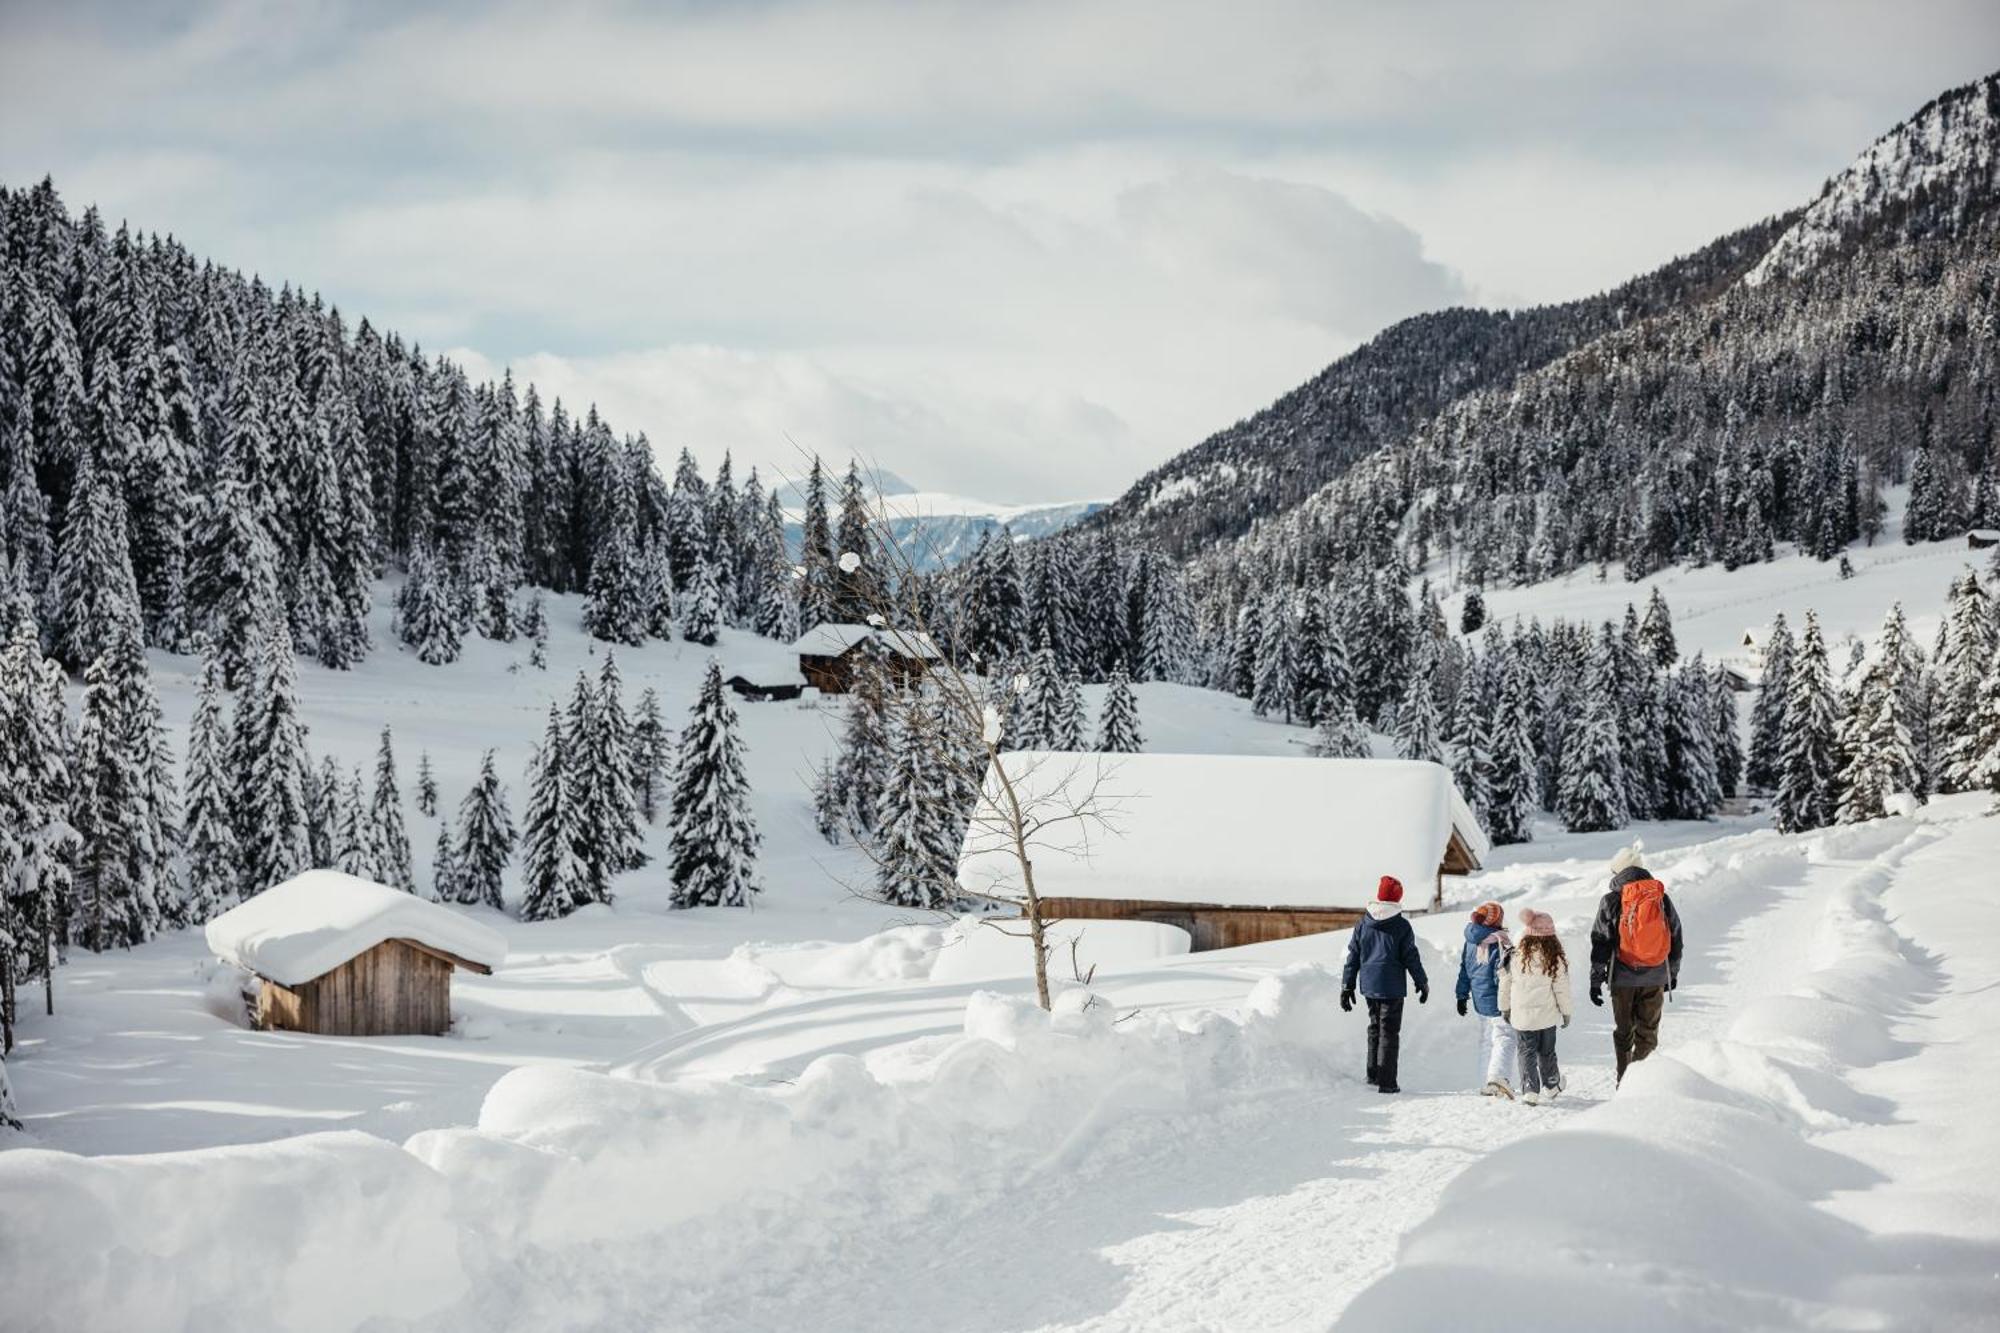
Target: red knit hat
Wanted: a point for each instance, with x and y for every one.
(1390, 890)
(1489, 914)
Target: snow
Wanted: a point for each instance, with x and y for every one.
(833, 640)
(722, 1118)
(1233, 830)
(313, 922)
(761, 662)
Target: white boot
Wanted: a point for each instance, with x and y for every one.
(1532, 1098)
(1497, 1088)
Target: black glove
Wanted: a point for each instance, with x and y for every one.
(1461, 1006)
(1597, 992)
(1507, 1017)
(1565, 1020)
(1346, 1001)
(1423, 995)
(1673, 979)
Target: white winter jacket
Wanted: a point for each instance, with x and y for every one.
(1533, 1000)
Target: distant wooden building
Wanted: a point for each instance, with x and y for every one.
(1980, 539)
(762, 671)
(828, 655)
(344, 957)
(1233, 849)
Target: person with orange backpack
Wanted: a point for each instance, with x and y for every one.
(1635, 948)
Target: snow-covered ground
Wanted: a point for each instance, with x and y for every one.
(825, 1112)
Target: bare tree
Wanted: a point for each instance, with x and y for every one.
(1007, 809)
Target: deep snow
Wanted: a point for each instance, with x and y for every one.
(826, 1112)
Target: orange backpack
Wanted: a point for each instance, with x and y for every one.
(1644, 938)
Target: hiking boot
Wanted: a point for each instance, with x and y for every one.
(1387, 1087)
(1532, 1098)
(1497, 1088)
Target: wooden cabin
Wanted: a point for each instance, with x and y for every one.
(1233, 849)
(344, 957)
(761, 671)
(829, 654)
(1980, 539)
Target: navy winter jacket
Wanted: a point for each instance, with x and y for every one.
(1379, 955)
(1479, 976)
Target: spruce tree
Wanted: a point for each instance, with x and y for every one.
(485, 839)
(816, 555)
(1728, 739)
(701, 613)
(1469, 753)
(1340, 734)
(607, 747)
(385, 817)
(113, 908)
(1118, 724)
(446, 875)
(1515, 787)
(1592, 799)
(1767, 718)
(1986, 733)
(917, 863)
(555, 881)
(322, 810)
(1806, 776)
(862, 769)
(427, 787)
(1277, 662)
(651, 750)
(353, 847)
(1417, 717)
(714, 856)
(1656, 632)
(426, 618)
(1693, 790)
(38, 842)
(1968, 641)
(268, 754)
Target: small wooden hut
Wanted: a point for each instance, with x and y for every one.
(1982, 539)
(1233, 849)
(344, 957)
(828, 655)
(762, 670)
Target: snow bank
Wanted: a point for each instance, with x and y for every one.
(326, 1231)
(971, 948)
(1691, 1200)
(582, 1200)
(314, 922)
(1300, 832)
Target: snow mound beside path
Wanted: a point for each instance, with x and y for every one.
(582, 1200)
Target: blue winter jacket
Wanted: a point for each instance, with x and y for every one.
(1479, 977)
(1379, 955)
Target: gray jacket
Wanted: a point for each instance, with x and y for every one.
(1604, 964)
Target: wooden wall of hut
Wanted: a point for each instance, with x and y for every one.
(395, 989)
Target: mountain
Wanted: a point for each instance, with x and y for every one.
(1807, 323)
(936, 530)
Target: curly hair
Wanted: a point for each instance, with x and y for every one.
(1543, 954)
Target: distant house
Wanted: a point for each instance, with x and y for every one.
(827, 655)
(1979, 539)
(1233, 849)
(345, 957)
(758, 669)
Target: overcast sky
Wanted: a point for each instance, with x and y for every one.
(1020, 251)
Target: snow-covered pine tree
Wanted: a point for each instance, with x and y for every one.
(1692, 788)
(1277, 661)
(214, 858)
(863, 767)
(1118, 724)
(1807, 777)
(1417, 716)
(385, 817)
(1592, 799)
(816, 555)
(322, 809)
(1068, 731)
(1728, 736)
(607, 746)
(39, 841)
(1514, 792)
(918, 860)
(1968, 641)
(617, 610)
(1472, 616)
(1878, 758)
(829, 805)
(427, 787)
(445, 873)
(714, 856)
(1045, 706)
(1767, 717)
(650, 752)
(425, 617)
(555, 881)
(113, 906)
(1243, 644)
(353, 848)
(1656, 632)
(1469, 752)
(485, 839)
(659, 594)
(857, 591)
(1340, 734)
(268, 755)
(1986, 734)
(701, 609)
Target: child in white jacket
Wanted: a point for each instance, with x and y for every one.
(1534, 996)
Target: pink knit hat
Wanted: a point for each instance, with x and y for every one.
(1537, 923)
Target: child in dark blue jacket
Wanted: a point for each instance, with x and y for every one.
(1380, 954)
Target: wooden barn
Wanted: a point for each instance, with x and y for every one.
(1982, 539)
(759, 670)
(828, 653)
(1233, 849)
(344, 957)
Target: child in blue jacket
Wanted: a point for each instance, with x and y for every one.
(1380, 954)
(1480, 962)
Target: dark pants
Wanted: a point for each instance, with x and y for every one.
(1385, 1032)
(1635, 1013)
(1538, 1060)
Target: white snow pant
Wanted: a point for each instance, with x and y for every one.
(1497, 1051)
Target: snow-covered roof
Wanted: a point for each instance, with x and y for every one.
(833, 640)
(1234, 830)
(315, 921)
(1985, 534)
(761, 661)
